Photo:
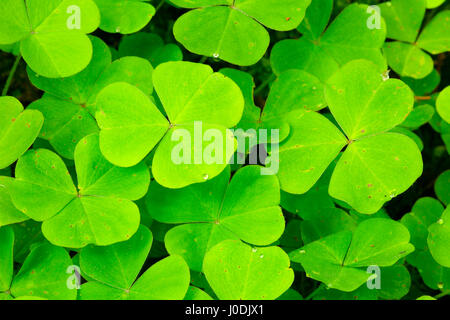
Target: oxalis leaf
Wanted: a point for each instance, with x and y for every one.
(124, 16)
(42, 275)
(113, 271)
(99, 211)
(376, 166)
(52, 33)
(347, 38)
(237, 271)
(69, 103)
(439, 238)
(195, 99)
(232, 30)
(339, 259)
(218, 210)
(18, 129)
(404, 20)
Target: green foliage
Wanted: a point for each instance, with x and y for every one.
(288, 161)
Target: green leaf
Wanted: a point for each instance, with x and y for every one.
(373, 106)
(433, 274)
(304, 157)
(419, 116)
(128, 134)
(187, 91)
(28, 234)
(149, 46)
(99, 212)
(434, 3)
(117, 265)
(435, 38)
(439, 238)
(43, 275)
(337, 260)
(18, 129)
(374, 170)
(235, 33)
(408, 60)
(403, 18)
(51, 42)
(69, 104)
(124, 16)
(442, 186)
(443, 104)
(195, 293)
(316, 19)
(395, 282)
(168, 279)
(425, 212)
(6, 258)
(9, 213)
(347, 38)
(215, 211)
(425, 85)
(237, 271)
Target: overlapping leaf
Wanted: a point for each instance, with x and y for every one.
(215, 211)
(338, 260)
(196, 100)
(69, 103)
(52, 33)
(112, 272)
(233, 30)
(99, 211)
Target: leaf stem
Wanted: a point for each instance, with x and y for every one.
(418, 98)
(264, 84)
(159, 5)
(11, 75)
(442, 294)
(315, 292)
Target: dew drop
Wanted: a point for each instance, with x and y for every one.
(440, 285)
(385, 75)
(215, 55)
(440, 221)
(118, 29)
(205, 176)
(302, 251)
(254, 249)
(261, 256)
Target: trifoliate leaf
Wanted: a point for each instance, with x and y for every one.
(235, 29)
(99, 211)
(52, 33)
(338, 260)
(219, 211)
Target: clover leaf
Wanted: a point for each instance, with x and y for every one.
(69, 103)
(18, 129)
(425, 212)
(99, 211)
(124, 16)
(443, 104)
(442, 186)
(236, 271)
(406, 55)
(195, 99)
(149, 46)
(376, 166)
(112, 272)
(221, 210)
(10, 214)
(337, 260)
(42, 275)
(233, 30)
(52, 33)
(439, 238)
(347, 38)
